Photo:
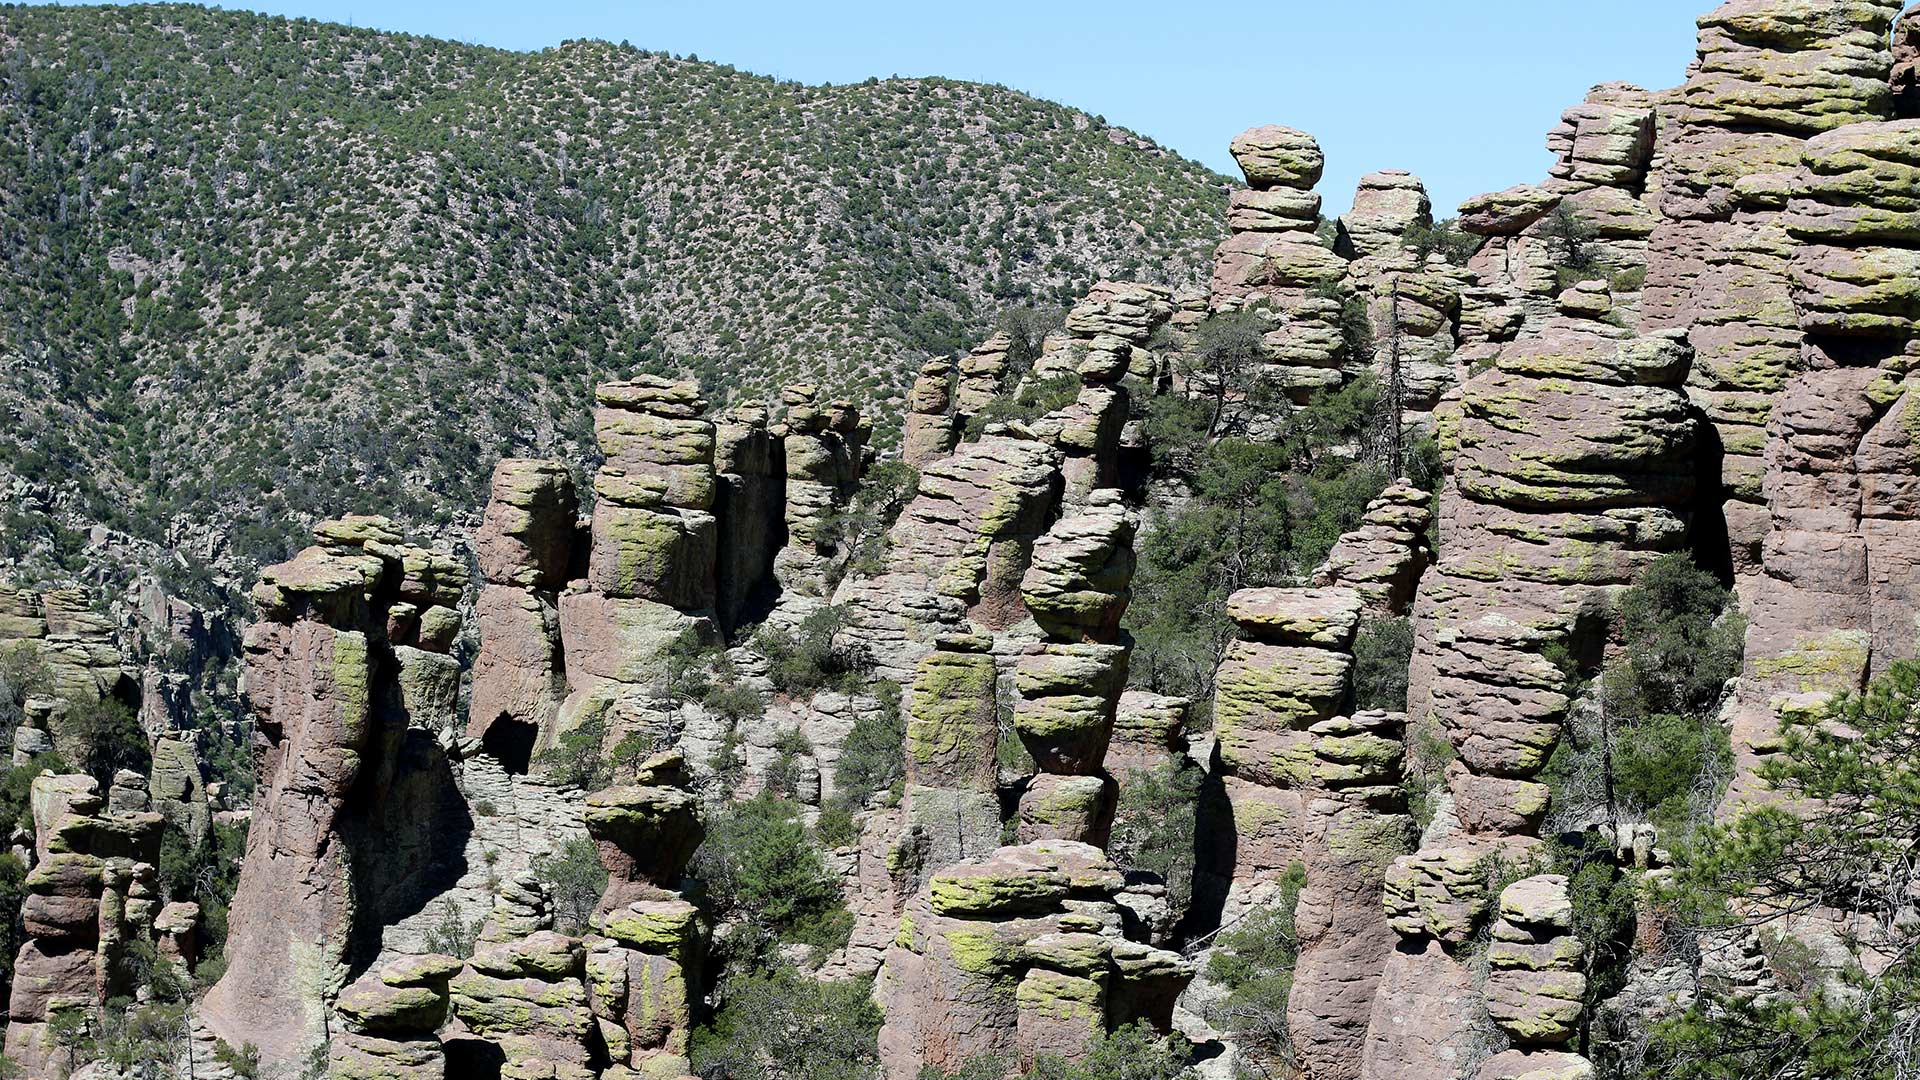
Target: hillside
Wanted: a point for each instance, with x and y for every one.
(252, 267)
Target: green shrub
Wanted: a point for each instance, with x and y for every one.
(809, 658)
(111, 735)
(1645, 743)
(574, 878)
(1443, 238)
(1838, 835)
(575, 760)
(1381, 654)
(781, 1025)
(873, 756)
(763, 871)
(1254, 961)
(1026, 404)
(1154, 825)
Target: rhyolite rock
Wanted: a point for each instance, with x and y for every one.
(1019, 954)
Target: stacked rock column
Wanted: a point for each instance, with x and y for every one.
(931, 431)
(1571, 468)
(1769, 75)
(650, 573)
(1273, 256)
(1413, 302)
(90, 894)
(1076, 589)
(1591, 217)
(825, 448)
(644, 958)
(525, 547)
(1016, 955)
(349, 649)
(1839, 592)
(391, 1019)
(1313, 783)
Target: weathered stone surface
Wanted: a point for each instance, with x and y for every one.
(526, 536)
(1387, 206)
(1275, 156)
(1078, 582)
(1018, 954)
(1077, 808)
(1383, 559)
(519, 675)
(1068, 694)
(931, 431)
(1273, 210)
(1506, 213)
(1326, 618)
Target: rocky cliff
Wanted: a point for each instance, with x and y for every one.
(486, 773)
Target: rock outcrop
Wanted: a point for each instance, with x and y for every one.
(1572, 467)
(825, 447)
(1312, 783)
(1273, 261)
(1383, 558)
(525, 547)
(91, 896)
(1019, 954)
(1769, 76)
(349, 652)
(1836, 597)
(931, 432)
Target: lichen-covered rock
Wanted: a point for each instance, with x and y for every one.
(526, 535)
(930, 432)
(1383, 558)
(1078, 582)
(1068, 694)
(90, 897)
(824, 447)
(1387, 206)
(1019, 954)
(1275, 156)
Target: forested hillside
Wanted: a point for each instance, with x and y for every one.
(252, 267)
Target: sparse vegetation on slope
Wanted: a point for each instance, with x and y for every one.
(253, 268)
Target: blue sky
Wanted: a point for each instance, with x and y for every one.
(1461, 92)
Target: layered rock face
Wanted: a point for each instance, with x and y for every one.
(1310, 782)
(1412, 301)
(825, 448)
(1383, 559)
(91, 896)
(350, 650)
(618, 1001)
(1590, 219)
(654, 533)
(958, 551)
(1274, 260)
(1105, 346)
(1769, 76)
(1572, 467)
(1019, 954)
(390, 1022)
(1076, 588)
(1836, 598)
(931, 432)
(525, 548)
(79, 650)
(1276, 264)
